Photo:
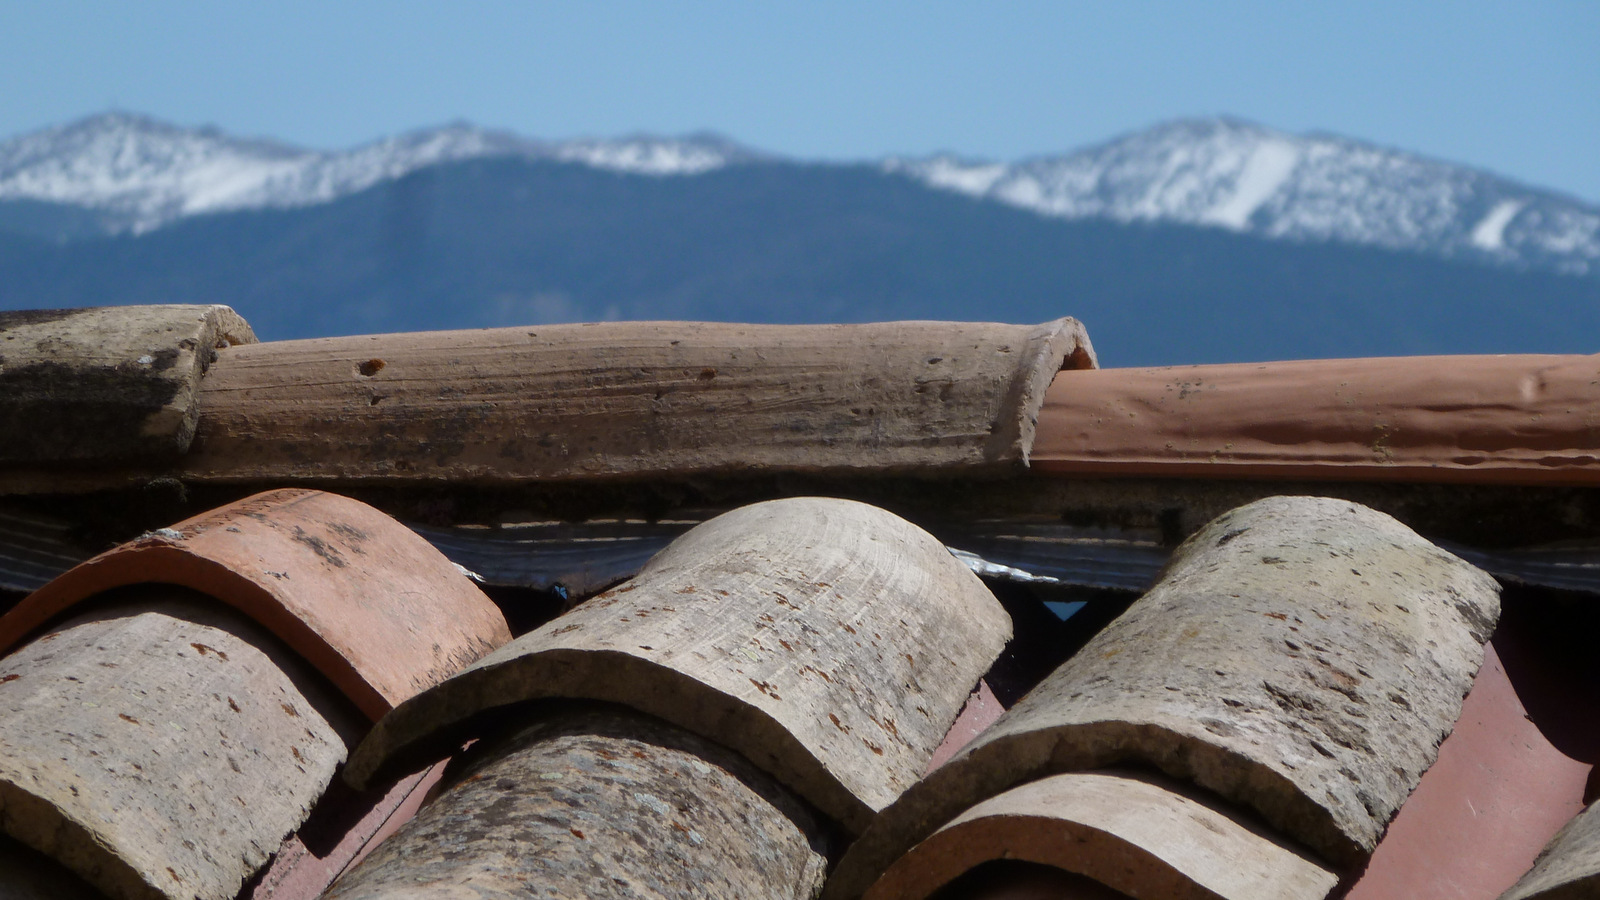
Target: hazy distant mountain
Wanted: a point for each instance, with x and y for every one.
(1196, 242)
(1243, 177)
(139, 173)
(135, 173)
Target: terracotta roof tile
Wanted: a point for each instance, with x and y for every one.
(615, 399)
(307, 863)
(1291, 673)
(1482, 812)
(374, 607)
(1484, 419)
(981, 711)
(601, 804)
(1133, 835)
(163, 746)
(1300, 656)
(811, 635)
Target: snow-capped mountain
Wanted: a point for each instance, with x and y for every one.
(138, 174)
(1244, 177)
(144, 173)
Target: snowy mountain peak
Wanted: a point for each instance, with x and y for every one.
(139, 173)
(144, 173)
(1237, 175)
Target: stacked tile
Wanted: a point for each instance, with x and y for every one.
(599, 803)
(1569, 868)
(778, 672)
(162, 740)
(1296, 667)
(635, 399)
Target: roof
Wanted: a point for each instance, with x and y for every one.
(678, 609)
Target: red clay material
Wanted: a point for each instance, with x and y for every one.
(366, 601)
(1482, 419)
(981, 711)
(299, 873)
(1496, 795)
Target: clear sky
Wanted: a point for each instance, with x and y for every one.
(1509, 86)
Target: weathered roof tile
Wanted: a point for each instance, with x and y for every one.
(1123, 831)
(1569, 868)
(373, 606)
(1300, 656)
(601, 804)
(162, 747)
(812, 635)
(565, 402)
(107, 384)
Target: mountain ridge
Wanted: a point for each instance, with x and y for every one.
(500, 242)
(144, 174)
(1230, 173)
(137, 173)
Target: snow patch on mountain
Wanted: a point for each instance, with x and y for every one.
(1490, 233)
(145, 173)
(1268, 167)
(138, 174)
(1244, 177)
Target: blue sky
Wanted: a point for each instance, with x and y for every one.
(1512, 87)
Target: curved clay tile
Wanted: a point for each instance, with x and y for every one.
(829, 641)
(1301, 656)
(162, 746)
(370, 604)
(1483, 419)
(601, 804)
(1134, 836)
(569, 402)
(1569, 868)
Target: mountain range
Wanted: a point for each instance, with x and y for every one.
(1195, 240)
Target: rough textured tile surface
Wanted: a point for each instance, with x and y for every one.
(601, 805)
(373, 606)
(111, 383)
(630, 398)
(1135, 836)
(161, 750)
(1568, 869)
(817, 637)
(1507, 419)
(1301, 656)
